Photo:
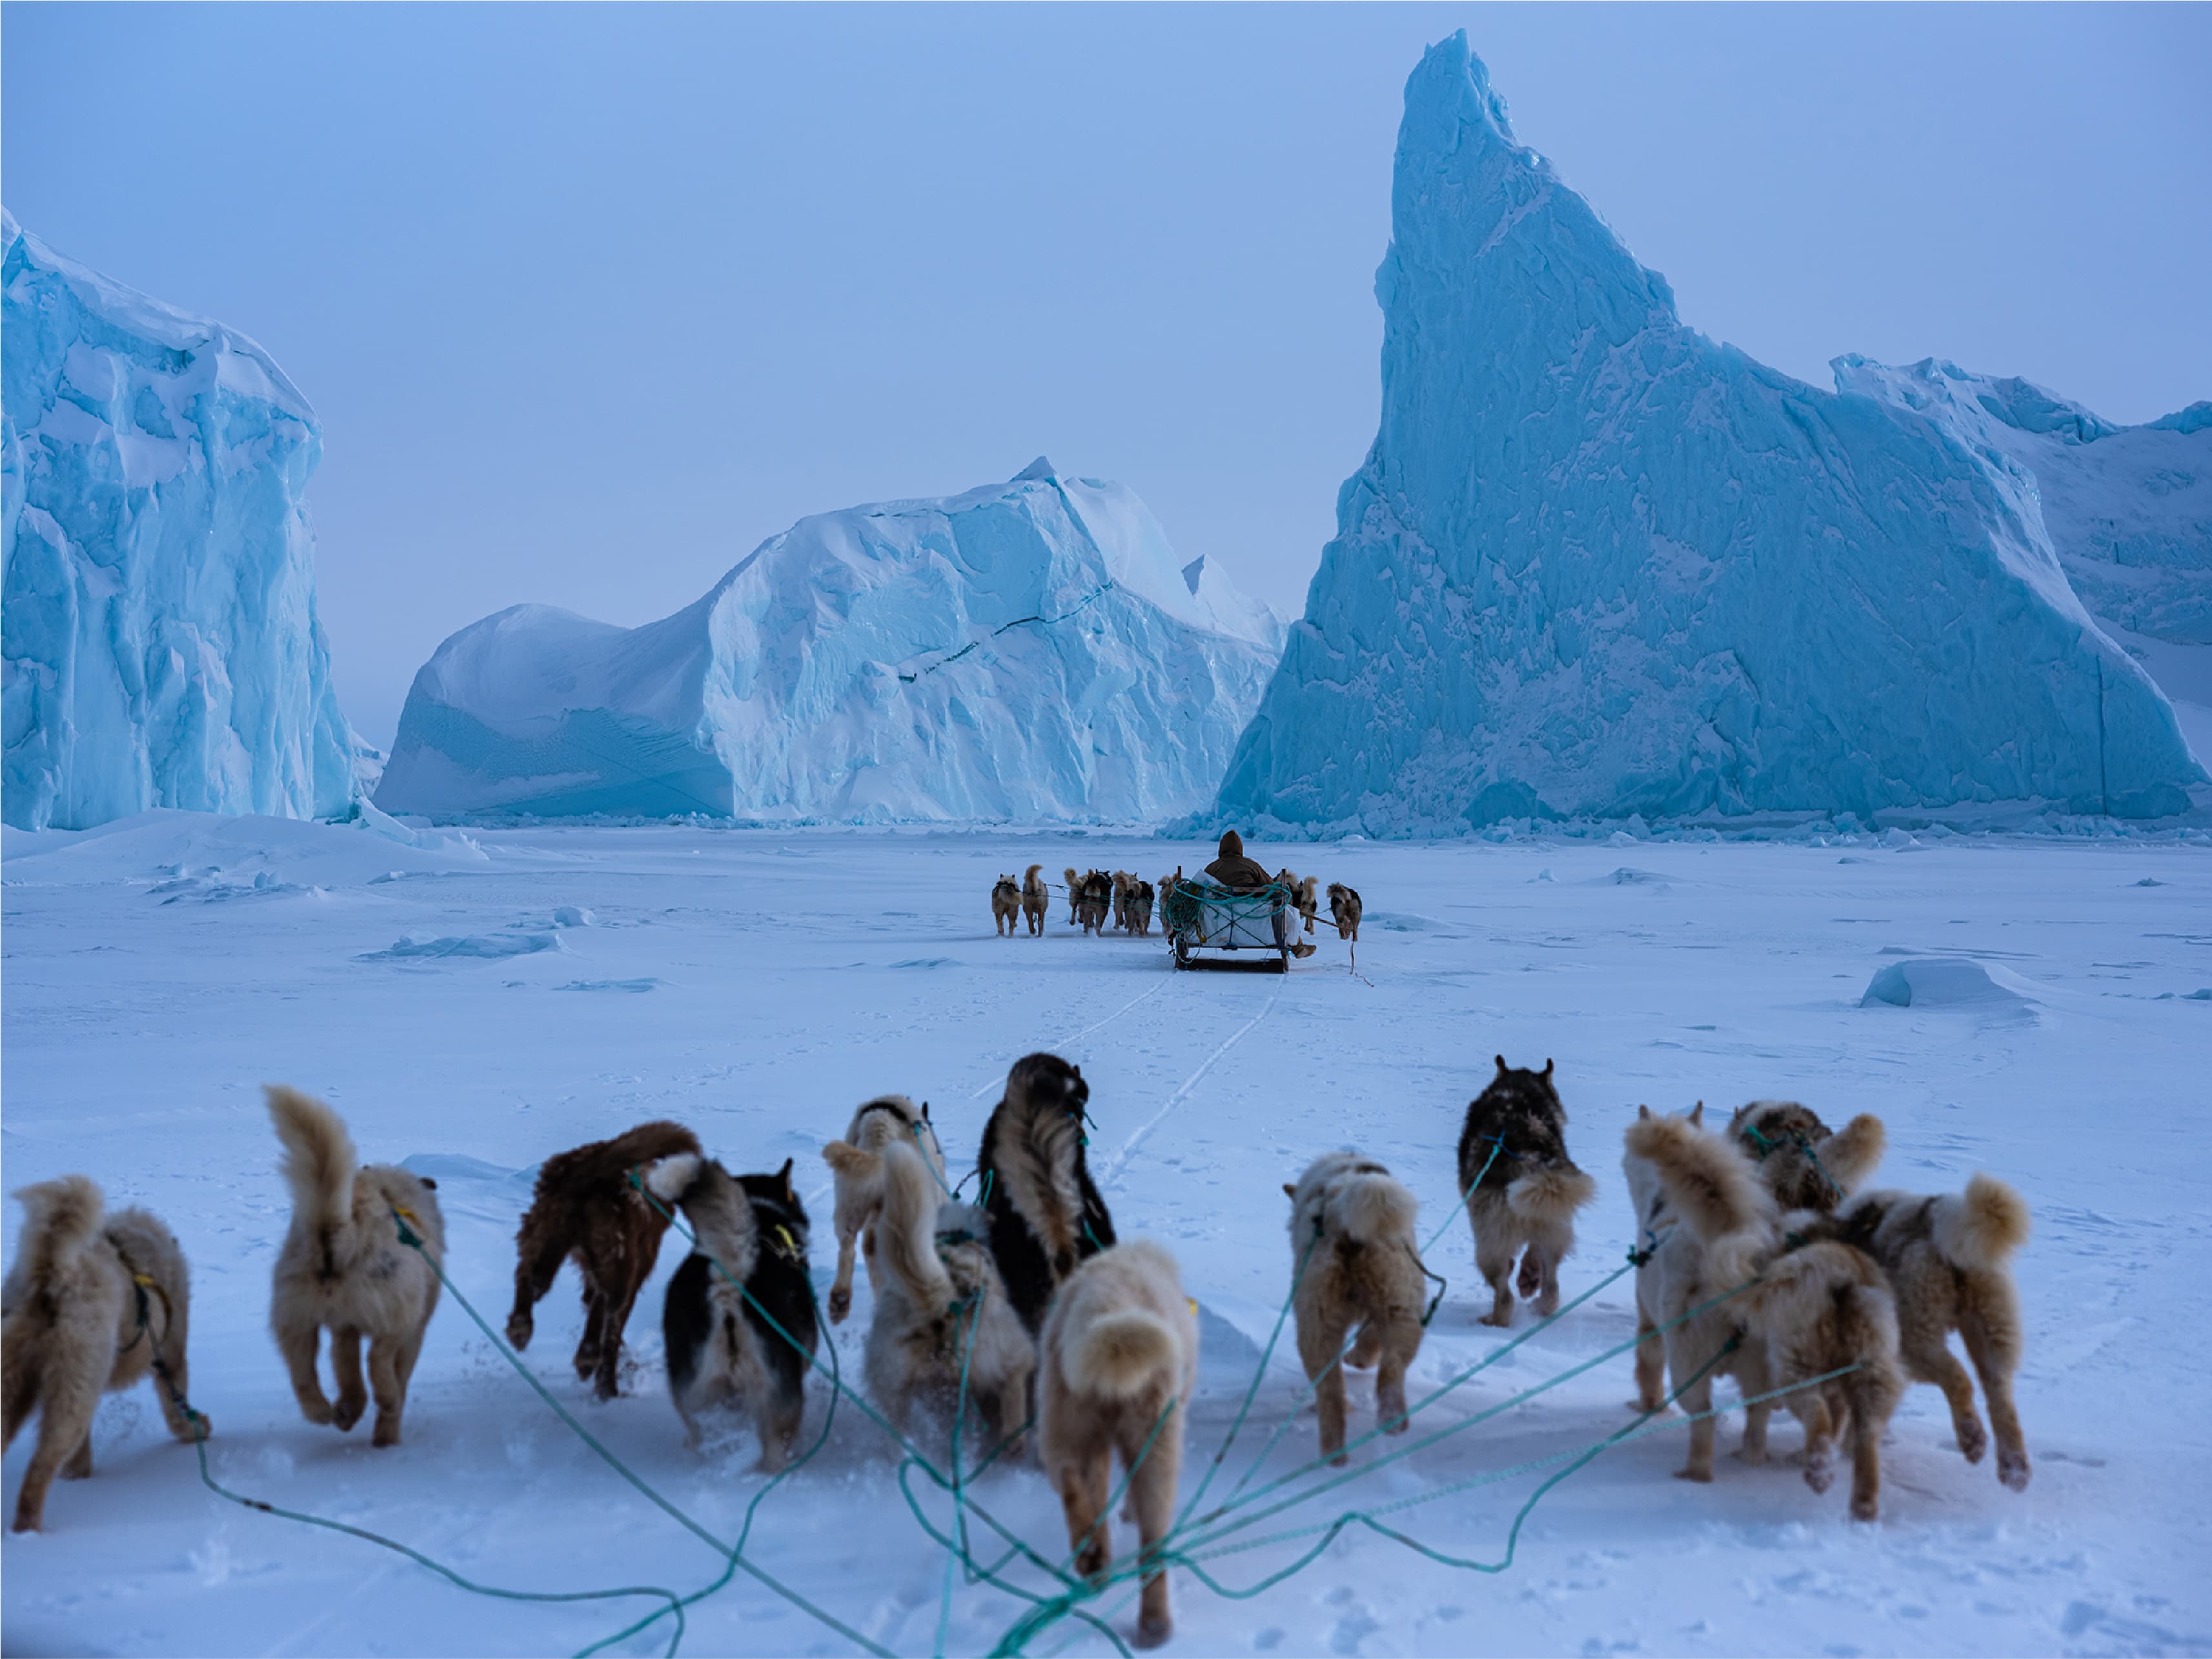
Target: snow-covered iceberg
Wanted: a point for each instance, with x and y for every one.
(1032, 650)
(2128, 509)
(1597, 563)
(156, 565)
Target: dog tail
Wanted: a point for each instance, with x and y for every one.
(61, 1218)
(846, 1159)
(1714, 1187)
(907, 1240)
(1370, 1208)
(720, 1215)
(1851, 1153)
(1550, 1192)
(1030, 883)
(1118, 1355)
(1980, 1229)
(318, 1156)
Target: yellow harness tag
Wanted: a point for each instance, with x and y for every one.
(790, 1244)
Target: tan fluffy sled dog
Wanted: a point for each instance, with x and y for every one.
(941, 1309)
(1352, 1228)
(343, 1269)
(1120, 1362)
(1811, 1309)
(92, 1305)
(857, 1162)
(1005, 907)
(1074, 895)
(1950, 1263)
(1804, 1163)
(1033, 899)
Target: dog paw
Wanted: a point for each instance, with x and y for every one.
(387, 1431)
(25, 1522)
(1500, 1318)
(1151, 1632)
(520, 1329)
(1703, 1477)
(1820, 1473)
(318, 1412)
(1753, 1455)
(1654, 1407)
(2013, 1470)
(1865, 1509)
(346, 1413)
(1532, 1276)
(840, 1304)
(1972, 1442)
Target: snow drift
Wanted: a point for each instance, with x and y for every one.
(2128, 509)
(1028, 650)
(156, 566)
(1596, 563)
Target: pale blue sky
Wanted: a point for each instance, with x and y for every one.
(590, 300)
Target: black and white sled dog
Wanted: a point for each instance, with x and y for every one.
(1045, 1215)
(941, 1314)
(1522, 1190)
(746, 1276)
(857, 1163)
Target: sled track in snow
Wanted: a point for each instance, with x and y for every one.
(999, 1079)
(1129, 1147)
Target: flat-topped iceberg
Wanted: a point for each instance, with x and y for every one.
(156, 565)
(1597, 563)
(1032, 650)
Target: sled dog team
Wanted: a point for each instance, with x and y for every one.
(1127, 899)
(1757, 1257)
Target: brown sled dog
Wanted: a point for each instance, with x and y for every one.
(1814, 1307)
(1352, 1231)
(1005, 907)
(748, 1267)
(857, 1163)
(1948, 1260)
(1033, 900)
(1119, 1363)
(344, 1268)
(1344, 911)
(941, 1315)
(1045, 1215)
(1074, 895)
(1522, 1190)
(585, 1210)
(92, 1305)
(1804, 1163)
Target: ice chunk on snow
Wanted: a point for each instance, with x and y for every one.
(161, 644)
(1949, 982)
(1028, 650)
(1598, 563)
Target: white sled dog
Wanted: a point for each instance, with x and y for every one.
(1121, 1361)
(1807, 1310)
(857, 1163)
(941, 1311)
(343, 1269)
(92, 1305)
(1352, 1231)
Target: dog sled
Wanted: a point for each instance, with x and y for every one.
(1202, 915)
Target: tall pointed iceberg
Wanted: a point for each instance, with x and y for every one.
(1031, 651)
(1597, 563)
(157, 589)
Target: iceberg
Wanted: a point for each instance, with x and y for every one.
(156, 565)
(1598, 565)
(1027, 652)
(2128, 509)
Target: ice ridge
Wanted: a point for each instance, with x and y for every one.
(1598, 565)
(1033, 651)
(156, 563)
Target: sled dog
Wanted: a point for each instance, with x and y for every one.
(1005, 907)
(1949, 1263)
(346, 1268)
(93, 1303)
(1810, 1309)
(1045, 1215)
(1804, 1163)
(1522, 1190)
(1095, 903)
(1033, 900)
(1140, 907)
(857, 1163)
(1074, 895)
(941, 1314)
(1344, 911)
(585, 1210)
(1352, 1231)
(1119, 1363)
(745, 1276)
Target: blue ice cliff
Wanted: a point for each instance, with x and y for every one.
(157, 593)
(2128, 509)
(1597, 565)
(1033, 651)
